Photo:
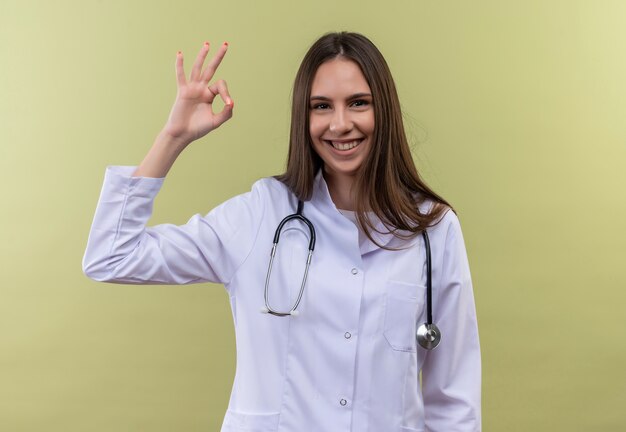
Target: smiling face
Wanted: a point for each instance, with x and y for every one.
(341, 118)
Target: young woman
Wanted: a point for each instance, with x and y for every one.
(336, 348)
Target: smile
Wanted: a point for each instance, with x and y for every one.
(344, 145)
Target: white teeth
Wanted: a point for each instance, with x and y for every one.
(345, 146)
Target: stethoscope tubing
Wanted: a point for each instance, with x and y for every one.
(429, 281)
(299, 216)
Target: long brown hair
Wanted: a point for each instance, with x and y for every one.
(387, 183)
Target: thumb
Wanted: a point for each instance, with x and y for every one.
(224, 115)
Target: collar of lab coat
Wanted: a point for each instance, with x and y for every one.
(321, 198)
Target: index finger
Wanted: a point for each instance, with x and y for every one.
(214, 63)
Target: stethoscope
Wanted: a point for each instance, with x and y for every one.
(428, 334)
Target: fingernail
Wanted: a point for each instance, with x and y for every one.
(206, 44)
(180, 52)
(226, 43)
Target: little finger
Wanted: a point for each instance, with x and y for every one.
(180, 71)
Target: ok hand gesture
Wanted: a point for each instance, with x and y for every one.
(192, 115)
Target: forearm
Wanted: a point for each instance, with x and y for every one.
(161, 157)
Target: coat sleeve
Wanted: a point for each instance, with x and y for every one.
(451, 373)
(210, 248)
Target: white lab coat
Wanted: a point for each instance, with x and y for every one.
(349, 361)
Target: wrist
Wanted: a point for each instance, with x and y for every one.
(173, 143)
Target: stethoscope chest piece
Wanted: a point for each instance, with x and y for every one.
(428, 336)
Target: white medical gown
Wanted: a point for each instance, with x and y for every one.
(349, 361)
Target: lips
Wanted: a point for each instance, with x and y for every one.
(344, 145)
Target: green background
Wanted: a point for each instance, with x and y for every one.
(516, 113)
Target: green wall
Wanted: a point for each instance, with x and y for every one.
(516, 111)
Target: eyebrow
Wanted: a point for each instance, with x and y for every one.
(354, 96)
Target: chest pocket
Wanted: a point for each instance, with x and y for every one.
(404, 303)
(242, 422)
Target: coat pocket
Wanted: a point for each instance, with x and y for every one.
(408, 429)
(403, 304)
(236, 421)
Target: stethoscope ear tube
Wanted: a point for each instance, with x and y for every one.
(428, 334)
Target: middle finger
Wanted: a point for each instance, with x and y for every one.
(197, 66)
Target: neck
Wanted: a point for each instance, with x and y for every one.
(340, 189)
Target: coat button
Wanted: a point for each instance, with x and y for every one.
(355, 271)
(347, 335)
(343, 402)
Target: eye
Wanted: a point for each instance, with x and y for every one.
(360, 103)
(320, 106)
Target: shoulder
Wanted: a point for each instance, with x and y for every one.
(265, 194)
(246, 211)
(446, 217)
(262, 190)
(446, 228)
(272, 185)
(449, 219)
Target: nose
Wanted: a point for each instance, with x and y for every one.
(340, 122)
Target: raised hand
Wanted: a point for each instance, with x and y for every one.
(192, 115)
